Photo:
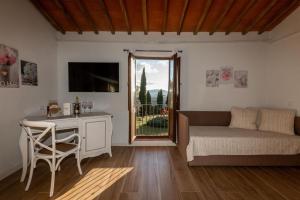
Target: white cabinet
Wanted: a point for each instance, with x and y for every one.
(96, 135)
(95, 131)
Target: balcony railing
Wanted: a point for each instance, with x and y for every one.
(151, 120)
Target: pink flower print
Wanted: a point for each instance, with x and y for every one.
(11, 60)
(226, 75)
(3, 59)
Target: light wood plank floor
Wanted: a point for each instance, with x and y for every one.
(158, 173)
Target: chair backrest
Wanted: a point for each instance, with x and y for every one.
(41, 129)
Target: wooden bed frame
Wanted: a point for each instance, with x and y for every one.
(222, 118)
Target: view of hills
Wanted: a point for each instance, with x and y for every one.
(155, 91)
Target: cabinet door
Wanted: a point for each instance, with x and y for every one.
(95, 134)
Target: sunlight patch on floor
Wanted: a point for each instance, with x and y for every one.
(94, 183)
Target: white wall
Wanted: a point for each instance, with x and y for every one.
(283, 73)
(287, 27)
(196, 59)
(283, 64)
(23, 28)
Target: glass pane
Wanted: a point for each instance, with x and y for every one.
(151, 94)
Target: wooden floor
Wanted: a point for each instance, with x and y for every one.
(156, 173)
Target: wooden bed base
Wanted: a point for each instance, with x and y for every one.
(222, 118)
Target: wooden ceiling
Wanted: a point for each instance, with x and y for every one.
(165, 15)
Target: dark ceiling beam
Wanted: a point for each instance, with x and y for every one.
(145, 16)
(228, 6)
(260, 16)
(165, 19)
(183, 14)
(241, 16)
(279, 16)
(203, 16)
(88, 16)
(107, 15)
(60, 5)
(125, 13)
(41, 9)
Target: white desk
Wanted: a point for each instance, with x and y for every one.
(94, 128)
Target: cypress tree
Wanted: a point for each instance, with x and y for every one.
(142, 93)
(148, 102)
(148, 99)
(160, 97)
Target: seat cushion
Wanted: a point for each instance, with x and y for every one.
(277, 120)
(64, 147)
(212, 140)
(243, 118)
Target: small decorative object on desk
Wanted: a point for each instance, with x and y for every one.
(84, 105)
(43, 110)
(53, 108)
(67, 108)
(90, 105)
(76, 107)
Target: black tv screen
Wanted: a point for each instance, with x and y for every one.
(93, 77)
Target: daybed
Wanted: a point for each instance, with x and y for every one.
(204, 139)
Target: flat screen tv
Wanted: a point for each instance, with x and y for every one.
(93, 77)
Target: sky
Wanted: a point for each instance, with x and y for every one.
(157, 73)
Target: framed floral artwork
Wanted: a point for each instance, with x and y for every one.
(212, 78)
(226, 75)
(29, 73)
(9, 70)
(241, 79)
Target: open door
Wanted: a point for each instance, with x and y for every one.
(131, 95)
(174, 95)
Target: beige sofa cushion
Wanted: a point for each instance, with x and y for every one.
(243, 118)
(277, 120)
(221, 140)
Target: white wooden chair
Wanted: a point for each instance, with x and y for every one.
(52, 154)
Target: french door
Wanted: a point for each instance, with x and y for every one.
(173, 95)
(131, 97)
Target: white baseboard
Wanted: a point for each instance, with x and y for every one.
(147, 143)
(120, 144)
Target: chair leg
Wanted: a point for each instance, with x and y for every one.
(34, 166)
(30, 175)
(52, 180)
(78, 163)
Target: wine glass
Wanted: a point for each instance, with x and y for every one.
(84, 105)
(90, 105)
(43, 110)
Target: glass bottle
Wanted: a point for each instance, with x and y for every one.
(77, 106)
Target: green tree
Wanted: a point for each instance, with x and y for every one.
(160, 97)
(148, 98)
(148, 102)
(159, 101)
(142, 93)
